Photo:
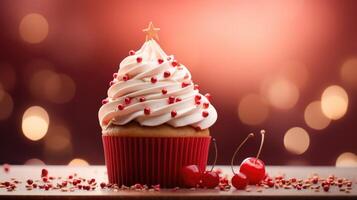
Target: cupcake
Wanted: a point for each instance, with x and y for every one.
(154, 120)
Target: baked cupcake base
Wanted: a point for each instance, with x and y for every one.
(153, 160)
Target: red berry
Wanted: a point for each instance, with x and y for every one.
(102, 185)
(240, 181)
(120, 107)
(197, 102)
(29, 182)
(198, 97)
(191, 175)
(254, 169)
(210, 179)
(127, 100)
(164, 91)
(205, 105)
(70, 177)
(184, 84)
(173, 113)
(142, 99)
(208, 96)
(270, 183)
(171, 99)
(178, 99)
(115, 75)
(44, 172)
(153, 79)
(147, 111)
(174, 63)
(167, 74)
(160, 60)
(139, 59)
(44, 179)
(205, 114)
(131, 52)
(126, 77)
(196, 87)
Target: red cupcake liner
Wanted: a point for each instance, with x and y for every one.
(153, 160)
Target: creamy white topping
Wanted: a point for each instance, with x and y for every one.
(152, 88)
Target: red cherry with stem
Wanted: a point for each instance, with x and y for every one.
(191, 175)
(254, 168)
(239, 180)
(210, 179)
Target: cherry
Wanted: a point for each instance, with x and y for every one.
(239, 180)
(254, 168)
(210, 179)
(191, 175)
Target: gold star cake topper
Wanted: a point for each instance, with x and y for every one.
(151, 32)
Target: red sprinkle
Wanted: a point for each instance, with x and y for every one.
(153, 79)
(105, 101)
(208, 96)
(197, 102)
(164, 91)
(174, 63)
(102, 185)
(198, 97)
(173, 113)
(160, 60)
(171, 99)
(167, 74)
(29, 181)
(44, 172)
(139, 59)
(115, 75)
(126, 77)
(147, 111)
(142, 99)
(184, 84)
(178, 99)
(205, 105)
(131, 52)
(205, 114)
(6, 168)
(44, 179)
(127, 100)
(70, 177)
(120, 107)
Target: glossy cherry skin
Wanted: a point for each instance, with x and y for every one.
(254, 169)
(240, 181)
(210, 179)
(191, 175)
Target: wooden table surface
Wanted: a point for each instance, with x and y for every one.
(22, 173)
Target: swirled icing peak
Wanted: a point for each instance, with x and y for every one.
(153, 88)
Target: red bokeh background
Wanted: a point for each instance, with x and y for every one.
(230, 47)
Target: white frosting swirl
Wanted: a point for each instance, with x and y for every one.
(152, 88)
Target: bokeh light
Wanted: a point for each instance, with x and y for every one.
(334, 102)
(7, 76)
(347, 159)
(281, 93)
(35, 122)
(252, 109)
(78, 162)
(57, 88)
(58, 139)
(348, 72)
(34, 161)
(296, 140)
(314, 117)
(33, 28)
(6, 104)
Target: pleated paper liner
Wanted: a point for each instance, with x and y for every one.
(153, 160)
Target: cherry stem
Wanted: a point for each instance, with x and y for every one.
(262, 132)
(240, 146)
(216, 153)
